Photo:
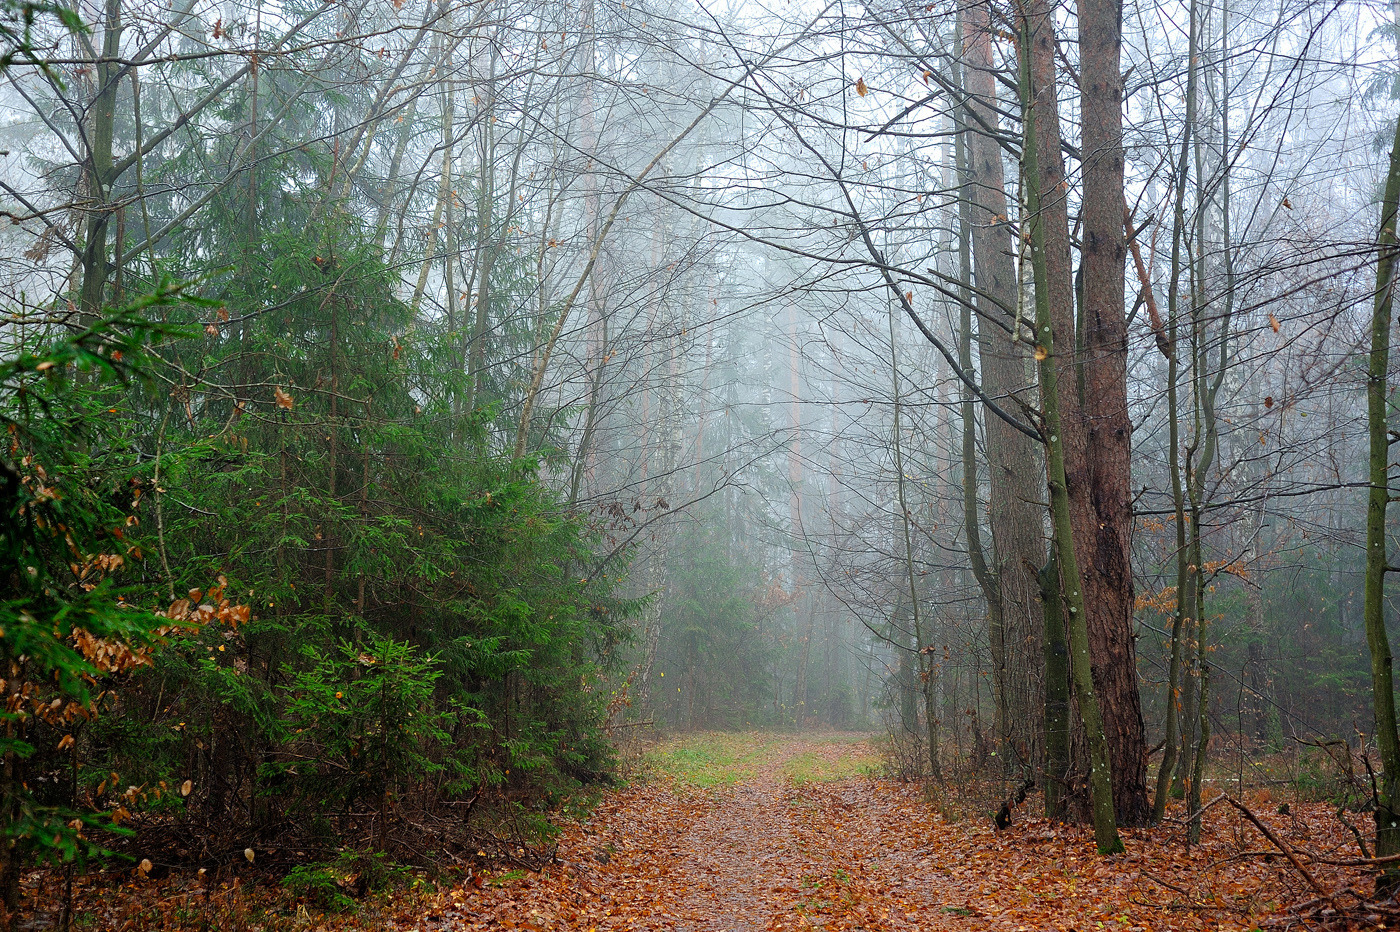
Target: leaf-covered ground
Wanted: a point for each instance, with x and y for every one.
(763, 832)
(766, 832)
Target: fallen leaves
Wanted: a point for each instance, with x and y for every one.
(795, 833)
(735, 839)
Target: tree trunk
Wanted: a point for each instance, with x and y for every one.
(902, 637)
(1185, 601)
(444, 192)
(926, 668)
(1185, 761)
(332, 431)
(1382, 682)
(1044, 176)
(1207, 389)
(486, 247)
(1057, 691)
(665, 440)
(988, 579)
(1016, 478)
(1041, 124)
(100, 171)
(1103, 509)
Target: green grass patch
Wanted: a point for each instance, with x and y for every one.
(853, 760)
(708, 761)
(500, 880)
(717, 760)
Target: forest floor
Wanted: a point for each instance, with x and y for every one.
(723, 833)
(767, 832)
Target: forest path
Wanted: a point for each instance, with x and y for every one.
(777, 841)
(732, 833)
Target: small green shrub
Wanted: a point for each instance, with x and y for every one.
(338, 886)
(321, 886)
(367, 715)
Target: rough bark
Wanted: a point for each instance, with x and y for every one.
(1049, 243)
(1103, 507)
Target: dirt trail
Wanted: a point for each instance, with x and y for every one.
(740, 833)
(785, 846)
(754, 859)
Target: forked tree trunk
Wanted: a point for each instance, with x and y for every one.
(100, 171)
(1041, 120)
(1015, 474)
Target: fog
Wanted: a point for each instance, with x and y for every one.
(731, 284)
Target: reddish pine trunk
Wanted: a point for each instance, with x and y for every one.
(1103, 504)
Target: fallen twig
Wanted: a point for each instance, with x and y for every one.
(1356, 832)
(1187, 907)
(1191, 816)
(1282, 846)
(1353, 862)
(1157, 880)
